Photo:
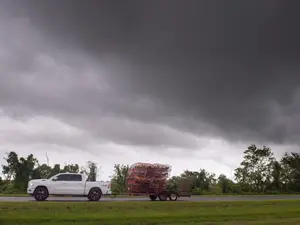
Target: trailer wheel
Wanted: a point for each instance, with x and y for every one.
(153, 197)
(173, 196)
(163, 196)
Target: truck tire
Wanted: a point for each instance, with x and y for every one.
(163, 196)
(173, 196)
(94, 194)
(41, 193)
(153, 197)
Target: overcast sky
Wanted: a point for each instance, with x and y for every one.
(188, 83)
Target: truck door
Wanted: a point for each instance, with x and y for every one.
(75, 184)
(67, 184)
(58, 184)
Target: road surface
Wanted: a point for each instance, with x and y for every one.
(192, 199)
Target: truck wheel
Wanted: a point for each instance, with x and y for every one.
(94, 194)
(163, 196)
(173, 196)
(153, 197)
(41, 194)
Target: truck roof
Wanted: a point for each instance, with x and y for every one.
(71, 173)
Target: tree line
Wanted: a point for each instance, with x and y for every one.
(19, 170)
(258, 173)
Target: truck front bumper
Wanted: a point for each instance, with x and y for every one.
(30, 190)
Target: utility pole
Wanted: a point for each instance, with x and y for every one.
(47, 159)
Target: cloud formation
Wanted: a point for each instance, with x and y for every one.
(156, 75)
(231, 65)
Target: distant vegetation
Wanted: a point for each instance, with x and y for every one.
(259, 173)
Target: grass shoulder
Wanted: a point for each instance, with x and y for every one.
(127, 213)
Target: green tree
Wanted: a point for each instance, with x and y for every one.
(276, 183)
(202, 180)
(71, 168)
(256, 168)
(225, 184)
(43, 172)
(91, 170)
(193, 175)
(20, 169)
(173, 183)
(9, 170)
(244, 181)
(55, 170)
(291, 171)
(119, 178)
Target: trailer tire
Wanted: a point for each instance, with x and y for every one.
(153, 197)
(163, 196)
(173, 196)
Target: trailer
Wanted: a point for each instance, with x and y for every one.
(184, 190)
(146, 179)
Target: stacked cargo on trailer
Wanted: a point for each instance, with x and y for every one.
(150, 179)
(143, 177)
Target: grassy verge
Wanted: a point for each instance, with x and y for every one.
(150, 213)
(13, 195)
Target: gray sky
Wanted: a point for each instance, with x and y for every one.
(182, 82)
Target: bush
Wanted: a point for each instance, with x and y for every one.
(197, 191)
(215, 190)
(236, 189)
(8, 189)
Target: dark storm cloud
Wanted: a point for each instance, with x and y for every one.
(37, 78)
(231, 64)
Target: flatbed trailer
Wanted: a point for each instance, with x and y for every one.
(156, 193)
(148, 179)
(168, 194)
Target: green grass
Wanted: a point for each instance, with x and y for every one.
(150, 213)
(13, 195)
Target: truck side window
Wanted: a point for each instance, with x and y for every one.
(62, 177)
(75, 177)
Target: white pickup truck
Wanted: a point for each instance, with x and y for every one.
(72, 184)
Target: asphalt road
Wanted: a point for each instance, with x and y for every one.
(192, 199)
